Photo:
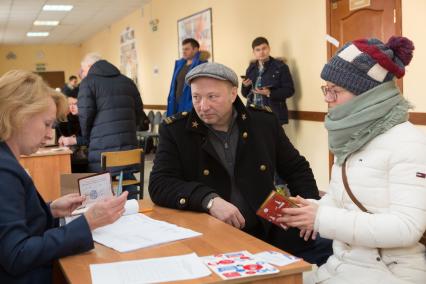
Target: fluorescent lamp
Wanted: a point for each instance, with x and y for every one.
(57, 7)
(35, 34)
(46, 23)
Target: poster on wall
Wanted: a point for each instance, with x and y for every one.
(128, 55)
(199, 27)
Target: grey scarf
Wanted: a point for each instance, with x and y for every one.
(353, 124)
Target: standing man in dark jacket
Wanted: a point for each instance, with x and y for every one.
(180, 93)
(268, 81)
(109, 106)
(221, 159)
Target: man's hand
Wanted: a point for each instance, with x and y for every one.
(63, 206)
(263, 91)
(227, 212)
(247, 82)
(106, 211)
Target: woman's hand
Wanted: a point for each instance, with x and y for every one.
(305, 234)
(67, 141)
(106, 211)
(302, 217)
(63, 206)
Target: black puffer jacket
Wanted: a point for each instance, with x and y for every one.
(109, 106)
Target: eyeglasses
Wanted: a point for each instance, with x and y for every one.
(330, 93)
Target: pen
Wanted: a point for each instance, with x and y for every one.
(120, 184)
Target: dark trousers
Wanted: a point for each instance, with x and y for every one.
(320, 252)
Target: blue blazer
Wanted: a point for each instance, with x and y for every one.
(29, 240)
(185, 101)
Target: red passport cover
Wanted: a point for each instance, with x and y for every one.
(271, 207)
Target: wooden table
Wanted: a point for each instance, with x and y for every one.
(217, 237)
(45, 167)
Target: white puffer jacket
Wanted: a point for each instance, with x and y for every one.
(388, 177)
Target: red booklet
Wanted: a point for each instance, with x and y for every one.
(271, 207)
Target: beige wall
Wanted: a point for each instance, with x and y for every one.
(234, 27)
(413, 23)
(56, 58)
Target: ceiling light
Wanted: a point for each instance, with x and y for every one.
(34, 34)
(46, 23)
(57, 7)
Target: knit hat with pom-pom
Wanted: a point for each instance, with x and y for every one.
(363, 64)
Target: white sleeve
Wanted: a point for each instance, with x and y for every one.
(402, 224)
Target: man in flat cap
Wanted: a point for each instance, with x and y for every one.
(221, 157)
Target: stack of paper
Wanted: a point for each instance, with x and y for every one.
(139, 231)
(154, 270)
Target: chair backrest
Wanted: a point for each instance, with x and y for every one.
(157, 118)
(123, 159)
(156, 123)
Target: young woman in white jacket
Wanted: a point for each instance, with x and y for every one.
(382, 159)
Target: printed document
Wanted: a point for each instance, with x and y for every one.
(154, 270)
(137, 231)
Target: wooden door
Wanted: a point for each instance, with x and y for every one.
(349, 20)
(353, 19)
(55, 79)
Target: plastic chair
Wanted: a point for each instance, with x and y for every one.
(145, 137)
(110, 161)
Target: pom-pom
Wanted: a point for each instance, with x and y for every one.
(402, 48)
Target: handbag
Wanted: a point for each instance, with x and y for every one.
(360, 206)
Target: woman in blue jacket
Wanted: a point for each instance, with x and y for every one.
(29, 237)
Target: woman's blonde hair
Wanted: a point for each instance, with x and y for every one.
(22, 95)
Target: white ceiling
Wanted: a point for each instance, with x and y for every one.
(85, 19)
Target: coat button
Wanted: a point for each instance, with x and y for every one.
(206, 172)
(245, 135)
(182, 201)
(262, 168)
(378, 258)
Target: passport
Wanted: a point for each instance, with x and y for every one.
(272, 206)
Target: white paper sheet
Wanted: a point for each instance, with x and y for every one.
(152, 270)
(131, 207)
(277, 258)
(139, 231)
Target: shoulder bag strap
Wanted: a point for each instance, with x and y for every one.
(360, 206)
(349, 191)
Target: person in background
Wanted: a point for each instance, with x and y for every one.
(70, 136)
(29, 234)
(268, 81)
(71, 85)
(180, 93)
(375, 207)
(221, 159)
(109, 109)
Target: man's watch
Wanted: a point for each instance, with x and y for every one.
(210, 204)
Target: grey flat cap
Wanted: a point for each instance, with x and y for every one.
(212, 70)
